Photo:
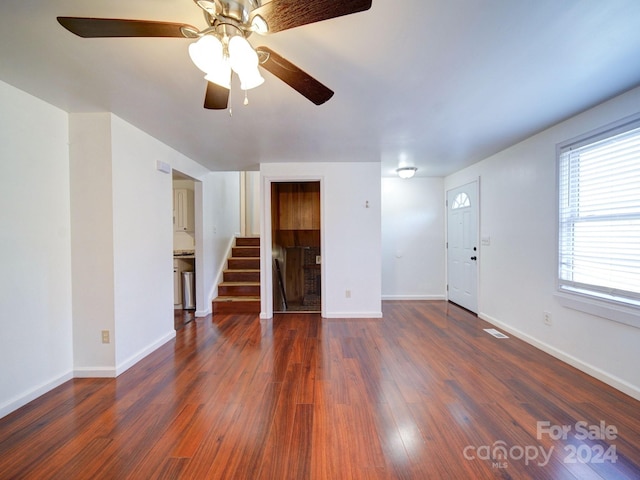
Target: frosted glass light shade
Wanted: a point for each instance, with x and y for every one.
(250, 78)
(221, 75)
(244, 61)
(206, 53)
(241, 55)
(406, 172)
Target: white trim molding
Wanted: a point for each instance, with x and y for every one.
(21, 400)
(135, 358)
(414, 297)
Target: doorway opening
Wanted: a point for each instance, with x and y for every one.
(184, 248)
(295, 237)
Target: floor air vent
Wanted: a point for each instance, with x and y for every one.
(495, 333)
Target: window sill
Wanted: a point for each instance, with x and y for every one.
(614, 311)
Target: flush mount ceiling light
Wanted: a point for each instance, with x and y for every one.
(406, 172)
(222, 47)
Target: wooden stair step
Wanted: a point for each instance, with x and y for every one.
(248, 241)
(241, 275)
(245, 252)
(228, 304)
(236, 263)
(237, 289)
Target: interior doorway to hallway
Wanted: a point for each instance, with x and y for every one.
(295, 235)
(184, 248)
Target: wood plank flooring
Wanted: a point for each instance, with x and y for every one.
(423, 393)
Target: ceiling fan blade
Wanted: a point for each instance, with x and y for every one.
(217, 97)
(284, 14)
(294, 76)
(116, 27)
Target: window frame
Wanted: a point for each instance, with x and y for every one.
(583, 299)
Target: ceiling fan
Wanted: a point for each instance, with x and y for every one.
(222, 47)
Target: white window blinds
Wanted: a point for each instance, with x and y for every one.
(599, 215)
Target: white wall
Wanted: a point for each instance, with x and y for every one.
(413, 236)
(518, 269)
(134, 269)
(350, 234)
(91, 241)
(36, 352)
(142, 243)
(252, 206)
(122, 244)
(87, 184)
(221, 201)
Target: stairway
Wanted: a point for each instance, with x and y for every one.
(239, 291)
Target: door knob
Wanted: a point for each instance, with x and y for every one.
(474, 258)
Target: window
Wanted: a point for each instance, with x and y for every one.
(461, 201)
(599, 215)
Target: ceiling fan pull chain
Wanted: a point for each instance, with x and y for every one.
(246, 99)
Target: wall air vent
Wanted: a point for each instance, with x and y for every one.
(495, 333)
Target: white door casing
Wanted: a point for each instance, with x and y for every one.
(266, 252)
(462, 246)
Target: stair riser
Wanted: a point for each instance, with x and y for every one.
(248, 241)
(239, 290)
(242, 263)
(236, 307)
(245, 252)
(241, 276)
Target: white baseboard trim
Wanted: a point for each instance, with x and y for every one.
(135, 358)
(82, 372)
(202, 313)
(347, 315)
(612, 380)
(414, 297)
(21, 400)
(95, 372)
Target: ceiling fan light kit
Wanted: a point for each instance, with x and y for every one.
(222, 47)
(217, 57)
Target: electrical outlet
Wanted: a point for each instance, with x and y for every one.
(347, 293)
(547, 318)
(105, 336)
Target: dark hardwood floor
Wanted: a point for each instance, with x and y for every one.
(182, 317)
(422, 393)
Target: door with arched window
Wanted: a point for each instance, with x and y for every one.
(462, 246)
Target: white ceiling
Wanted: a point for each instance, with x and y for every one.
(439, 84)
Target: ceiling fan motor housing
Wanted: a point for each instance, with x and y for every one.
(228, 11)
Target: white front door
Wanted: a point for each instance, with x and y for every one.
(462, 246)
